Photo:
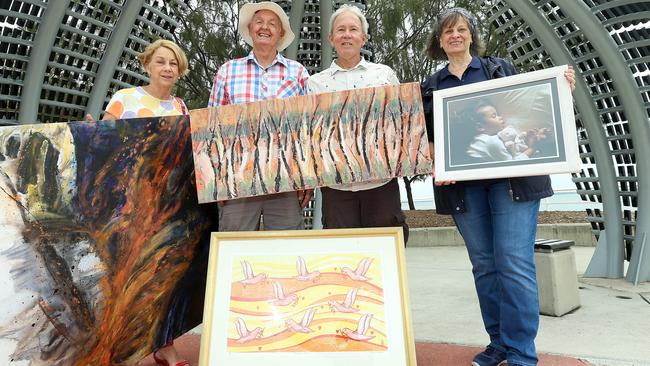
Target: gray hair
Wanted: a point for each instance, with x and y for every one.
(447, 18)
(354, 10)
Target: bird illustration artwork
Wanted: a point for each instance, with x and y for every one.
(246, 335)
(359, 274)
(346, 305)
(303, 273)
(362, 327)
(280, 298)
(249, 277)
(303, 326)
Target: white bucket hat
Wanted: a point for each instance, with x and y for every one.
(247, 12)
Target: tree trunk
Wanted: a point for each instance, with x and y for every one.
(409, 194)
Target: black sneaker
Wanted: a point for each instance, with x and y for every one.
(489, 357)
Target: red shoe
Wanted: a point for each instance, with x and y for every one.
(160, 361)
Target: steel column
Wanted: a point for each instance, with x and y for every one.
(326, 10)
(295, 19)
(111, 57)
(40, 54)
(635, 112)
(597, 140)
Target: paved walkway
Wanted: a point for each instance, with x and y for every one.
(611, 328)
(428, 354)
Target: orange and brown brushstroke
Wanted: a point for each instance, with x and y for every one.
(309, 141)
(109, 229)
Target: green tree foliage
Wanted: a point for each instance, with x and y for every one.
(208, 35)
(400, 31)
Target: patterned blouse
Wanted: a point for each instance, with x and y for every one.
(137, 103)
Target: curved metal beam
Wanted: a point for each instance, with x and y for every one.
(295, 19)
(326, 53)
(637, 118)
(114, 49)
(40, 54)
(555, 47)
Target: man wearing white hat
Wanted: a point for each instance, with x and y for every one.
(263, 74)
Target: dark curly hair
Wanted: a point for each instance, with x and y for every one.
(467, 122)
(448, 18)
(471, 118)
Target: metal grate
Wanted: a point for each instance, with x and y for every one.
(627, 23)
(82, 38)
(19, 22)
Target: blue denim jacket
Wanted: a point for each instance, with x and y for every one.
(451, 199)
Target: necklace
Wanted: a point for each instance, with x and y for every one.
(459, 68)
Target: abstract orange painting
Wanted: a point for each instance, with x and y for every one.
(103, 247)
(307, 294)
(309, 141)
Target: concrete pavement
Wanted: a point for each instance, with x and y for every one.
(611, 328)
(428, 354)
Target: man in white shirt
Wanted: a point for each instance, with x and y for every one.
(354, 205)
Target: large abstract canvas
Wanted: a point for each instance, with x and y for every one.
(103, 246)
(309, 141)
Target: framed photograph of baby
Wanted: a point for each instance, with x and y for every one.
(307, 297)
(521, 125)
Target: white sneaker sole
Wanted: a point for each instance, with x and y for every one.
(502, 363)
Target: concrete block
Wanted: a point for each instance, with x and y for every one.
(434, 237)
(447, 236)
(579, 233)
(557, 282)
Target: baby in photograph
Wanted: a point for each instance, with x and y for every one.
(495, 140)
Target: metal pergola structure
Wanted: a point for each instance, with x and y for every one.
(310, 23)
(607, 43)
(61, 59)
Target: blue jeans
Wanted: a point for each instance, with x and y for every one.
(500, 237)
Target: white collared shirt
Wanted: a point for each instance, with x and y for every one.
(335, 78)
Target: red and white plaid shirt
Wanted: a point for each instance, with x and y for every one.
(243, 80)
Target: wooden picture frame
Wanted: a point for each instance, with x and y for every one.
(536, 105)
(307, 297)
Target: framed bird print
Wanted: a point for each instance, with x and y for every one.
(307, 297)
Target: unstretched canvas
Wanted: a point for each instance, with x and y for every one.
(301, 142)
